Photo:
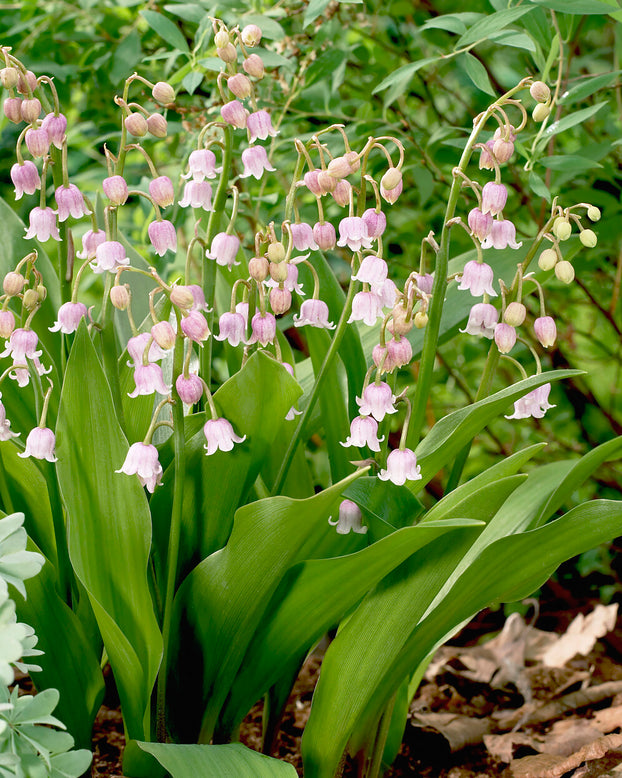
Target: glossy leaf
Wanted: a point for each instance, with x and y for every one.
(166, 29)
(490, 25)
(477, 73)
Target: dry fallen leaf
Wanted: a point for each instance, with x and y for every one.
(501, 747)
(608, 719)
(459, 731)
(581, 635)
(552, 766)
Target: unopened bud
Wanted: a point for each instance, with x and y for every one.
(29, 81)
(156, 124)
(13, 109)
(31, 110)
(339, 167)
(163, 334)
(515, 314)
(276, 252)
(278, 272)
(115, 189)
(221, 39)
(30, 299)
(136, 125)
(258, 268)
(120, 297)
(588, 238)
(420, 319)
(547, 260)
(341, 192)
(240, 85)
(228, 53)
(353, 160)
(42, 292)
(13, 283)
(399, 324)
(326, 182)
(7, 323)
(280, 300)
(391, 178)
(564, 271)
(251, 35)
(253, 65)
(163, 93)
(593, 213)
(540, 92)
(9, 77)
(562, 228)
(182, 297)
(540, 112)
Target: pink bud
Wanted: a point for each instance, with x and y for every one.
(324, 235)
(240, 85)
(37, 142)
(157, 126)
(545, 330)
(280, 300)
(505, 337)
(7, 323)
(162, 191)
(55, 126)
(136, 124)
(189, 388)
(253, 65)
(234, 113)
(115, 189)
(12, 107)
(194, 326)
(164, 335)
(163, 93)
(31, 109)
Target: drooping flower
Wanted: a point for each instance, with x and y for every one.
(194, 326)
(353, 233)
(224, 249)
(90, 241)
(37, 141)
(163, 236)
(391, 195)
(202, 164)
(25, 178)
(483, 318)
(477, 277)
(220, 436)
(70, 202)
(55, 126)
(197, 194)
(142, 460)
(494, 198)
(259, 125)
(376, 222)
(40, 444)
(162, 191)
(505, 337)
(366, 307)
(69, 317)
(5, 426)
(545, 330)
(350, 519)
(189, 388)
(302, 236)
(232, 328)
(136, 349)
(373, 271)
(234, 113)
(42, 224)
(149, 379)
(263, 329)
(401, 467)
(255, 161)
(280, 299)
(116, 190)
(535, 403)
(291, 282)
(480, 223)
(314, 313)
(364, 432)
(502, 235)
(22, 345)
(324, 235)
(377, 401)
(110, 255)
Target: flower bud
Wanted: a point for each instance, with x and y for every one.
(341, 192)
(221, 39)
(278, 272)
(120, 297)
(515, 314)
(163, 334)
(156, 125)
(545, 330)
(30, 299)
(234, 113)
(9, 77)
(503, 150)
(182, 296)
(30, 81)
(13, 283)
(136, 124)
(228, 53)
(562, 228)
(326, 182)
(353, 160)
(163, 93)
(420, 319)
(540, 91)
(324, 235)
(258, 268)
(280, 300)
(13, 109)
(505, 337)
(240, 85)
(391, 178)
(276, 252)
(31, 110)
(189, 389)
(540, 112)
(398, 323)
(564, 271)
(253, 65)
(37, 142)
(7, 323)
(162, 191)
(588, 238)
(42, 292)
(547, 260)
(115, 189)
(339, 167)
(251, 35)
(593, 213)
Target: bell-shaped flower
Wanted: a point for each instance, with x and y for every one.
(376, 222)
(197, 194)
(162, 191)
(110, 255)
(202, 164)
(545, 330)
(259, 125)
(55, 125)
(502, 235)
(220, 436)
(25, 178)
(40, 444)
(149, 379)
(70, 202)
(90, 241)
(136, 349)
(142, 460)
(291, 282)
(483, 318)
(377, 401)
(22, 345)
(302, 236)
(401, 467)
(263, 329)
(69, 317)
(42, 225)
(364, 432)
(494, 198)
(535, 403)
(232, 328)
(5, 426)
(194, 326)
(315, 314)
(255, 161)
(353, 233)
(366, 307)
(373, 271)
(224, 249)
(349, 520)
(324, 235)
(234, 113)
(480, 223)
(163, 236)
(477, 277)
(505, 337)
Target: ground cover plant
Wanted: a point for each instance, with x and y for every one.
(275, 352)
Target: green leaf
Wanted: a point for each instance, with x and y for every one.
(477, 73)
(569, 163)
(192, 81)
(109, 529)
(490, 25)
(456, 23)
(569, 121)
(167, 30)
(537, 186)
(229, 761)
(580, 7)
(189, 12)
(587, 87)
(270, 28)
(403, 74)
(518, 40)
(314, 9)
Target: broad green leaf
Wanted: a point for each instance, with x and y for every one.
(490, 25)
(456, 23)
(313, 597)
(192, 81)
(109, 530)
(566, 122)
(394, 505)
(579, 7)
(403, 74)
(166, 29)
(569, 162)
(190, 12)
(314, 9)
(270, 28)
(448, 436)
(477, 73)
(222, 601)
(587, 87)
(229, 761)
(537, 186)
(518, 40)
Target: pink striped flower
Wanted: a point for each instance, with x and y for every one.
(220, 436)
(142, 460)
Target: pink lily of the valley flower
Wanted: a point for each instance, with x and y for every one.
(25, 178)
(349, 520)
(197, 194)
(69, 317)
(149, 379)
(70, 202)
(189, 388)
(142, 460)
(42, 225)
(364, 432)
(477, 277)
(220, 436)
(255, 161)
(502, 235)
(377, 401)
(232, 328)
(90, 241)
(535, 403)
(263, 329)
(224, 249)
(110, 255)
(483, 318)
(314, 313)
(202, 164)
(366, 307)
(401, 467)
(5, 426)
(40, 444)
(259, 125)
(373, 271)
(163, 236)
(353, 233)
(302, 236)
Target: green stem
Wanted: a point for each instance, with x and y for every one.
(381, 740)
(172, 558)
(315, 392)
